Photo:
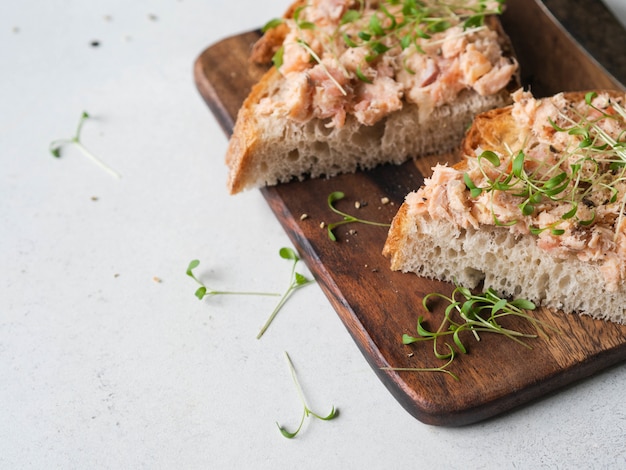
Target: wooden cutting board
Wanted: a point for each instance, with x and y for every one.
(377, 305)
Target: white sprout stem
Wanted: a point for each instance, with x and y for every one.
(292, 369)
(619, 218)
(621, 111)
(97, 161)
(466, 32)
(609, 140)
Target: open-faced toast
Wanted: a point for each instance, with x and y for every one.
(356, 84)
(535, 209)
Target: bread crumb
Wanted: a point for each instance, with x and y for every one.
(357, 205)
(157, 279)
(384, 200)
(352, 232)
(304, 216)
(323, 225)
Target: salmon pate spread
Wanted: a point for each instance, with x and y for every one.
(368, 58)
(553, 167)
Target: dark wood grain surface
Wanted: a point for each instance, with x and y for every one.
(377, 305)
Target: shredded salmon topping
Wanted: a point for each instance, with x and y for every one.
(343, 76)
(575, 149)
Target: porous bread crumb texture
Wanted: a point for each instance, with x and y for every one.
(289, 149)
(512, 265)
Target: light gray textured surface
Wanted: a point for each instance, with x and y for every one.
(104, 367)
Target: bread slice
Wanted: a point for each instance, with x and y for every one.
(567, 251)
(330, 108)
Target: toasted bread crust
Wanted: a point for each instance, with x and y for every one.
(397, 233)
(246, 134)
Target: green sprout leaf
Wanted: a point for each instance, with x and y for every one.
(300, 279)
(474, 191)
(523, 304)
(491, 157)
(193, 264)
(277, 58)
(200, 292)
(361, 76)
(350, 16)
(288, 254)
(271, 24)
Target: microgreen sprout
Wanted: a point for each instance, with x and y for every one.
(204, 291)
(347, 218)
(589, 171)
(474, 313)
(306, 412)
(297, 281)
(56, 145)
